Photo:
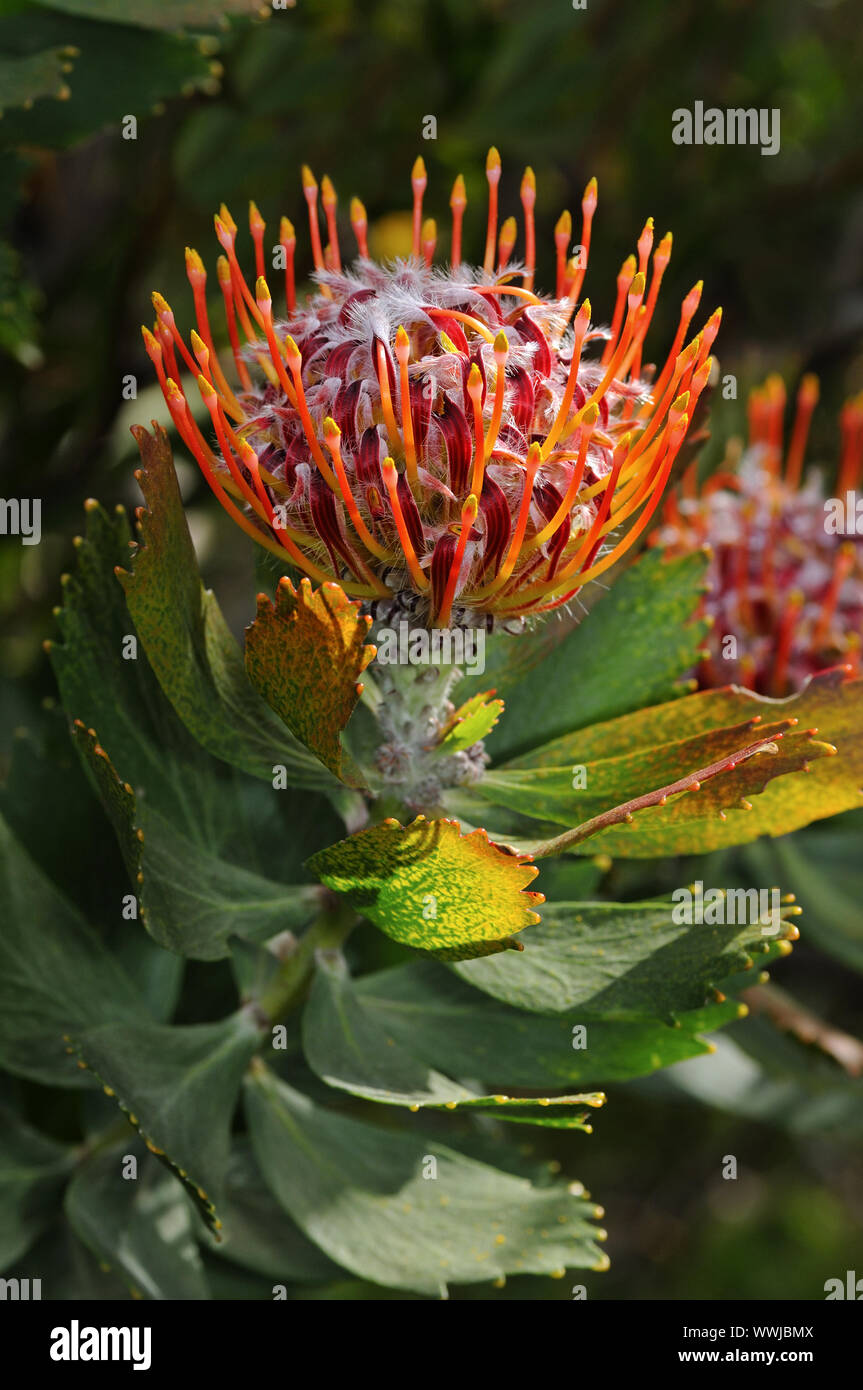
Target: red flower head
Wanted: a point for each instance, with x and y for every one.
(785, 583)
(444, 442)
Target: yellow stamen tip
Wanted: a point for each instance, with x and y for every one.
(291, 349)
(310, 183)
(287, 231)
(204, 387)
(331, 429)
(358, 211)
(256, 221)
(591, 414)
(262, 292)
(227, 218)
(501, 343)
(637, 286)
(160, 303)
(492, 161)
(458, 197)
(223, 270)
(470, 508)
(419, 169)
(474, 379)
(329, 197)
(528, 180)
(563, 226)
(429, 230)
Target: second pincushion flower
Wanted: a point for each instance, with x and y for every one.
(447, 444)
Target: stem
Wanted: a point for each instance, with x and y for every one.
(327, 933)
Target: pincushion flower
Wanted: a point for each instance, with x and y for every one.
(444, 442)
(784, 584)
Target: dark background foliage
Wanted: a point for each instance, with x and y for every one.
(90, 223)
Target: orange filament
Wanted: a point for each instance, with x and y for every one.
(403, 350)
(265, 305)
(360, 224)
(501, 351)
(851, 425)
(257, 227)
(588, 208)
(387, 400)
(562, 238)
(468, 516)
(332, 439)
(842, 567)
(580, 327)
(784, 638)
(295, 363)
(492, 173)
(226, 285)
(330, 203)
(506, 242)
(625, 277)
(458, 203)
(288, 242)
(419, 180)
(391, 483)
(310, 193)
(588, 421)
(528, 202)
(197, 277)
(807, 399)
(474, 390)
(534, 458)
(687, 313)
(634, 298)
(428, 240)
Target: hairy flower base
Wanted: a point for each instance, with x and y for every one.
(786, 592)
(444, 443)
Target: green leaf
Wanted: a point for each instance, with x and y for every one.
(24, 80)
(469, 724)
(305, 654)
(142, 1228)
(201, 817)
(190, 901)
(359, 1193)
(671, 737)
(55, 974)
(188, 643)
(33, 1171)
(427, 1009)
(765, 1075)
(120, 696)
(178, 1087)
(158, 14)
(619, 960)
(430, 887)
(258, 1234)
(631, 650)
(346, 1047)
(822, 868)
(116, 70)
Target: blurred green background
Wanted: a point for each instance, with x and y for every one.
(228, 105)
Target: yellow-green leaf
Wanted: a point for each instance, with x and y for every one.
(305, 654)
(430, 887)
